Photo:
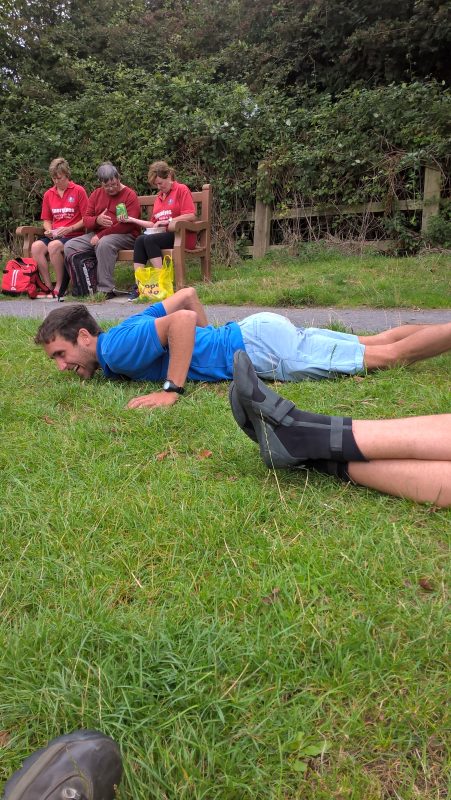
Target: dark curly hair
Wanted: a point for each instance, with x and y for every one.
(66, 322)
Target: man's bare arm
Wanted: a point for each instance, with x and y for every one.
(188, 300)
(177, 332)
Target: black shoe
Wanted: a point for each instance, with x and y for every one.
(133, 294)
(110, 295)
(84, 765)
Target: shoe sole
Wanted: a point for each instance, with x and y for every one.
(19, 785)
(239, 414)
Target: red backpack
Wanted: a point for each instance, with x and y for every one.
(21, 276)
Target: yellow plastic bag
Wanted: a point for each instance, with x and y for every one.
(156, 284)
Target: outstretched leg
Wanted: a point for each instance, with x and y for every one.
(419, 480)
(409, 457)
(392, 335)
(424, 342)
(425, 438)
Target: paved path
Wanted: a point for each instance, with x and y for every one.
(357, 319)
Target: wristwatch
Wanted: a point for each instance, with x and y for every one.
(169, 386)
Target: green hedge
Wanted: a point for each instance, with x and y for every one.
(363, 145)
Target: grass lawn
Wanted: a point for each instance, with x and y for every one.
(243, 635)
(323, 277)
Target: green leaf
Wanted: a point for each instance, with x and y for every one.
(315, 749)
(295, 743)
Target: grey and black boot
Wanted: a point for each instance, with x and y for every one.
(84, 765)
(287, 436)
(239, 413)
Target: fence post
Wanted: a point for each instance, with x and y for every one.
(431, 195)
(262, 229)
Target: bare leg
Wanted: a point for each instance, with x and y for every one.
(392, 335)
(409, 457)
(157, 263)
(428, 341)
(39, 252)
(421, 481)
(56, 255)
(426, 438)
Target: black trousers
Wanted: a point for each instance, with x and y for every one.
(150, 246)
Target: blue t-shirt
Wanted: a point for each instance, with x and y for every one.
(133, 350)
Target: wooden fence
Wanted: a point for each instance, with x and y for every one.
(264, 214)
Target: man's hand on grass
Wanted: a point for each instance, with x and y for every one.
(154, 400)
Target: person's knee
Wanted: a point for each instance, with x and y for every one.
(104, 247)
(38, 249)
(55, 247)
(72, 246)
(383, 356)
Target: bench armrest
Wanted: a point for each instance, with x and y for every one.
(190, 225)
(29, 232)
(24, 229)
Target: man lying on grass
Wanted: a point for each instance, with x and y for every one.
(172, 342)
(408, 457)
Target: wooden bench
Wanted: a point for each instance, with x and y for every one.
(202, 227)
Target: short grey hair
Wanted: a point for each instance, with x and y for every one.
(107, 172)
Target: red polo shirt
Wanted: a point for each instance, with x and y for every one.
(65, 210)
(177, 202)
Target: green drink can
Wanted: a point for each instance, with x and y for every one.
(121, 211)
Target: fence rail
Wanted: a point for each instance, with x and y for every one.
(263, 214)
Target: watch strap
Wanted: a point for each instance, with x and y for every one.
(170, 386)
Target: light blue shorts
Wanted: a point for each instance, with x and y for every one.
(280, 351)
